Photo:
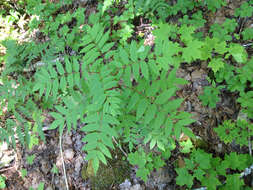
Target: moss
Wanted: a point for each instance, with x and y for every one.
(114, 173)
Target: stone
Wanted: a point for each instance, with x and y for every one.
(69, 154)
(126, 185)
(49, 187)
(136, 187)
(159, 179)
(197, 74)
(68, 140)
(4, 146)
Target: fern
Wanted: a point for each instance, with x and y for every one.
(69, 113)
(13, 62)
(110, 84)
(102, 107)
(102, 111)
(119, 89)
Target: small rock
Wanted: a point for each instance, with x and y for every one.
(67, 140)
(136, 187)
(4, 146)
(69, 154)
(220, 17)
(196, 86)
(197, 74)
(126, 185)
(242, 116)
(187, 77)
(78, 142)
(181, 73)
(78, 163)
(219, 148)
(159, 179)
(6, 160)
(49, 187)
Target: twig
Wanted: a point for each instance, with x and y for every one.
(5, 169)
(201, 188)
(250, 147)
(119, 147)
(63, 165)
(249, 44)
(41, 64)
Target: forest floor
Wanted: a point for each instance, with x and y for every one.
(46, 159)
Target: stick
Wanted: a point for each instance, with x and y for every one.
(63, 165)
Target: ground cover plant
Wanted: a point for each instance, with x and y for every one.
(114, 71)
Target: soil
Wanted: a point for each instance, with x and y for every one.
(118, 174)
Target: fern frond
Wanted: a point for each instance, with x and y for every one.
(102, 115)
(95, 47)
(68, 113)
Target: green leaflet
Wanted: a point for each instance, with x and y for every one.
(70, 81)
(107, 47)
(159, 120)
(150, 113)
(134, 99)
(133, 52)
(136, 71)
(141, 108)
(144, 70)
(173, 105)
(68, 65)
(63, 83)
(164, 96)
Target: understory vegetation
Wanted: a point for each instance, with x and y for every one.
(113, 69)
